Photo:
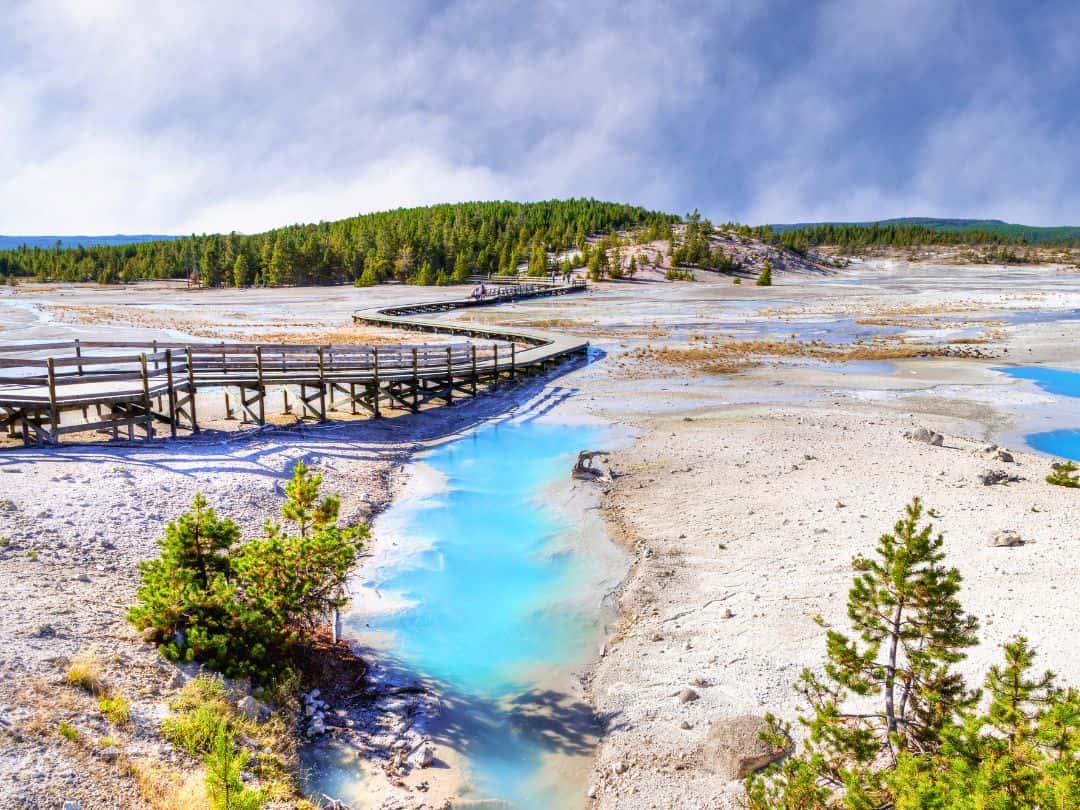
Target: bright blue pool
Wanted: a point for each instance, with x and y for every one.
(1064, 442)
(487, 581)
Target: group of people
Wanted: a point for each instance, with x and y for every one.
(478, 293)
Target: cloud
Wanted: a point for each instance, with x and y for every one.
(153, 116)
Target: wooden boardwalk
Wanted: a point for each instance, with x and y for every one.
(48, 390)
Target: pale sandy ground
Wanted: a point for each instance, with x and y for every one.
(718, 460)
(749, 495)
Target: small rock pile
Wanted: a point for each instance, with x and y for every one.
(315, 713)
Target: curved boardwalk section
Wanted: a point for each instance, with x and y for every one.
(48, 390)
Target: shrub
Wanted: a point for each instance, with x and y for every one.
(68, 731)
(116, 709)
(85, 672)
(1064, 475)
(240, 607)
(200, 708)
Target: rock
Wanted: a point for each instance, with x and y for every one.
(423, 757)
(316, 728)
(931, 437)
(619, 767)
(45, 631)
(71, 804)
(734, 749)
(991, 477)
(252, 709)
(1004, 455)
(109, 753)
(149, 635)
(1006, 538)
(684, 725)
(688, 696)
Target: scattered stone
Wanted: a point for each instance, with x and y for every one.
(71, 804)
(619, 767)
(734, 748)
(727, 614)
(688, 696)
(252, 709)
(685, 725)
(1006, 538)
(149, 635)
(699, 682)
(1004, 455)
(992, 477)
(931, 437)
(109, 753)
(45, 631)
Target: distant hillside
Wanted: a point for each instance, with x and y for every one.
(435, 244)
(968, 230)
(13, 242)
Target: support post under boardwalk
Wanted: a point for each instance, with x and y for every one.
(375, 383)
(449, 376)
(54, 411)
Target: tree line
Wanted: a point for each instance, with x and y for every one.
(437, 244)
(856, 237)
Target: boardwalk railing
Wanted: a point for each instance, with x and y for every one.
(134, 385)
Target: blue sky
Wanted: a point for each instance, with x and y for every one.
(173, 117)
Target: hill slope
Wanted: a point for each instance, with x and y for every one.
(978, 229)
(425, 245)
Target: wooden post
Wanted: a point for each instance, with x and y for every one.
(513, 360)
(171, 393)
(285, 397)
(449, 376)
(322, 385)
(147, 405)
(473, 347)
(54, 412)
(228, 406)
(157, 367)
(375, 383)
(191, 391)
(262, 390)
(415, 383)
(495, 366)
(78, 354)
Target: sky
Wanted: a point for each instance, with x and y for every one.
(141, 116)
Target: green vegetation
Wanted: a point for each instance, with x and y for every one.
(977, 229)
(904, 233)
(1064, 475)
(694, 250)
(116, 709)
(419, 245)
(241, 607)
(68, 731)
(891, 722)
(204, 725)
(764, 279)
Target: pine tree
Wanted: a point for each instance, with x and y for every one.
(224, 767)
(765, 278)
(461, 269)
(240, 271)
(911, 631)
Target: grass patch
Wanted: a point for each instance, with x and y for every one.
(86, 673)
(68, 731)
(117, 710)
(717, 356)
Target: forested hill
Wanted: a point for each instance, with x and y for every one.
(434, 244)
(909, 231)
(14, 242)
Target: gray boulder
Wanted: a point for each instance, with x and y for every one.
(252, 709)
(931, 437)
(1006, 538)
(734, 748)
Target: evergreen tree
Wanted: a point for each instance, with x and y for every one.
(461, 270)
(277, 271)
(765, 277)
(911, 631)
(225, 765)
(240, 271)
